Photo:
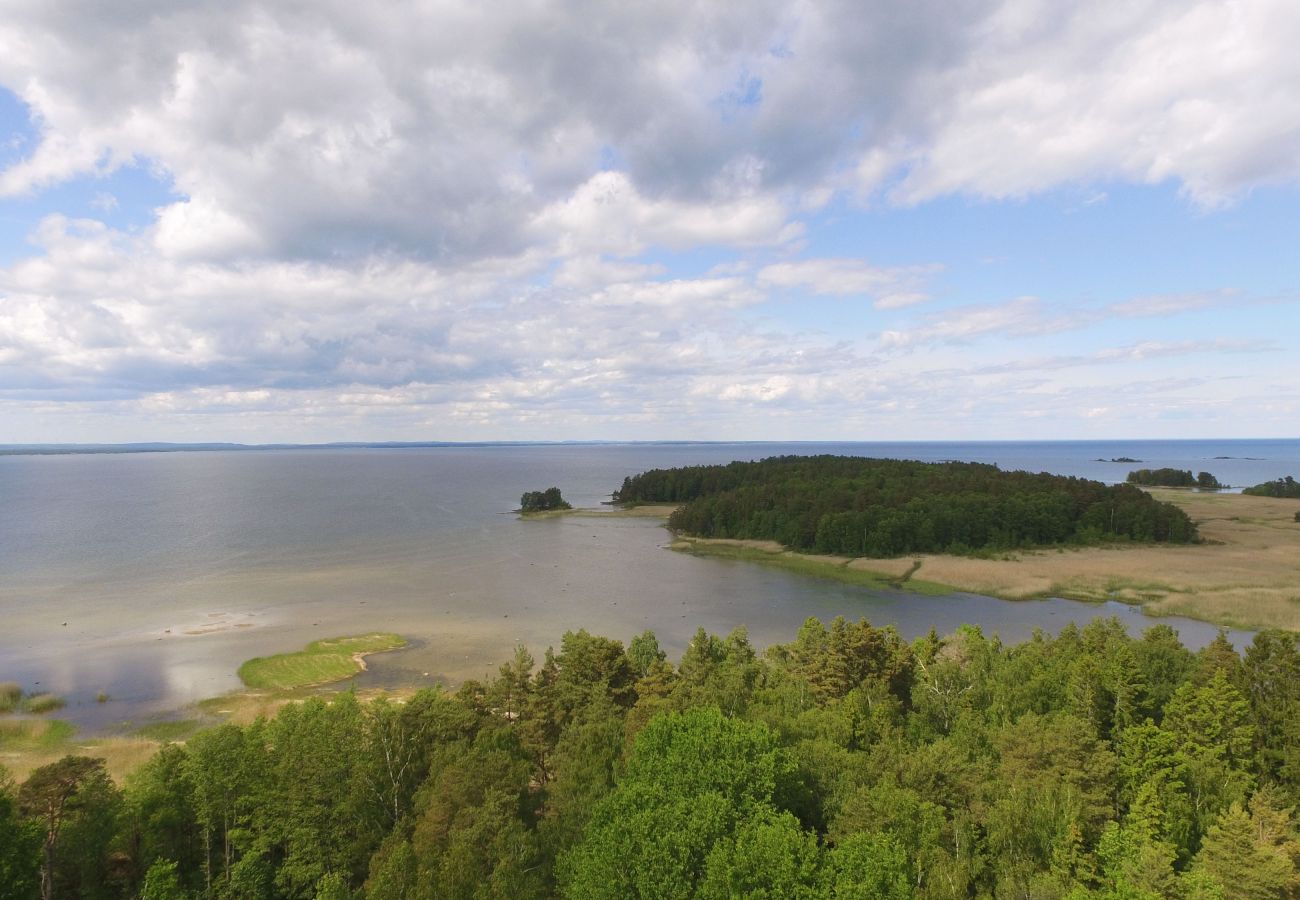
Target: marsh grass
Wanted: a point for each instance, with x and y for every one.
(890, 574)
(1245, 573)
(20, 735)
(28, 744)
(39, 704)
(322, 662)
(11, 693)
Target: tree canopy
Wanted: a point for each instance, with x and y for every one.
(1174, 478)
(852, 506)
(1282, 487)
(846, 763)
(541, 501)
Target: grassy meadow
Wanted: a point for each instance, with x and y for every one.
(1245, 573)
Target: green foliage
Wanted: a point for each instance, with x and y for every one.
(695, 780)
(1174, 478)
(20, 847)
(769, 857)
(870, 865)
(162, 882)
(1242, 862)
(159, 817)
(542, 501)
(845, 763)
(644, 653)
(1282, 487)
(76, 806)
(878, 508)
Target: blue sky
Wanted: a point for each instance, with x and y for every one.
(302, 222)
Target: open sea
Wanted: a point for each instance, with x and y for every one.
(151, 576)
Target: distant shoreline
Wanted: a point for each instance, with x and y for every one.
(74, 449)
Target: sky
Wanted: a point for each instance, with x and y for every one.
(317, 220)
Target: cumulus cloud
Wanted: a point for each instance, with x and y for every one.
(435, 211)
(889, 287)
(450, 130)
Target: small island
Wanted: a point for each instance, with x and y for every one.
(855, 507)
(1174, 478)
(548, 500)
(1119, 459)
(322, 662)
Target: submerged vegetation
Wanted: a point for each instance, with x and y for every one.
(847, 763)
(321, 663)
(1174, 478)
(12, 698)
(854, 507)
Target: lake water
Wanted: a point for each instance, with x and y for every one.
(152, 576)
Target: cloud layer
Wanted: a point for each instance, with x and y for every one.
(434, 213)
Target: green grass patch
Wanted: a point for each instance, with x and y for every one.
(833, 569)
(324, 661)
(34, 735)
(11, 692)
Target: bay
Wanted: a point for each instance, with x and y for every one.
(151, 576)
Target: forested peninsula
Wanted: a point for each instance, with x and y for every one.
(851, 506)
(847, 763)
(1286, 487)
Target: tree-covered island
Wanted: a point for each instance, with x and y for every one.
(851, 506)
(1174, 478)
(542, 501)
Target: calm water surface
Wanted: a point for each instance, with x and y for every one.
(152, 576)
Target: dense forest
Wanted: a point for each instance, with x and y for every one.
(853, 506)
(1174, 478)
(542, 501)
(845, 764)
(1282, 487)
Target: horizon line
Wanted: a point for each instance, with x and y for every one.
(69, 448)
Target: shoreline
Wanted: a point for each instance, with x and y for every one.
(28, 742)
(640, 511)
(1244, 574)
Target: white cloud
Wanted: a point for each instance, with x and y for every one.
(1200, 93)
(420, 211)
(890, 287)
(607, 214)
(1033, 316)
(1024, 315)
(446, 130)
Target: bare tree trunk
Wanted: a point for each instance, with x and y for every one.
(47, 869)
